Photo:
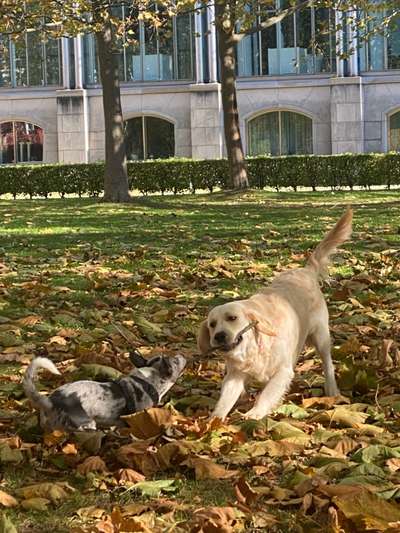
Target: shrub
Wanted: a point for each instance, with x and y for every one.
(188, 175)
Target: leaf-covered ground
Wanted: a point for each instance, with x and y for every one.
(72, 269)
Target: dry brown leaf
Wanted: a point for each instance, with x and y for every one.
(139, 456)
(207, 469)
(6, 500)
(215, 520)
(128, 474)
(324, 401)
(393, 464)
(29, 320)
(92, 464)
(244, 493)
(149, 423)
(55, 491)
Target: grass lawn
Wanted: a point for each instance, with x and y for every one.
(70, 269)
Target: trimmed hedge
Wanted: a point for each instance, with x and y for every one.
(188, 175)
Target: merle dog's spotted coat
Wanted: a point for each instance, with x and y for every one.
(84, 405)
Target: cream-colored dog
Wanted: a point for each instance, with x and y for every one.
(291, 311)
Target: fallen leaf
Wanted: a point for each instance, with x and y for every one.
(92, 464)
(6, 500)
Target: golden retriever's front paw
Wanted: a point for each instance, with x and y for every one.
(254, 414)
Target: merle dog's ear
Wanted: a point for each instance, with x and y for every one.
(138, 360)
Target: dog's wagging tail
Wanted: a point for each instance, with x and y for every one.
(340, 233)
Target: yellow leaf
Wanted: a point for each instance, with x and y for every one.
(6, 500)
(70, 449)
(37, 504)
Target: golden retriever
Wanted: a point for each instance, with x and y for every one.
(291, 311)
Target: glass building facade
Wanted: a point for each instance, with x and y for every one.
(148, 54)
(394, 132)
(302, 43)
(381, 50)
(29, 61)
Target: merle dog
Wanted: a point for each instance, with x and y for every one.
(85, 405)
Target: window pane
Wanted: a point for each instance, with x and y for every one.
(5, 72)
(296, 133)
(394, 133)
(35, 59)
(248, 56)
(92, 75)
(134, 139)
(29, 142)
(324, 48)
(165, 47)
(393, 44)
(264, 135)
(160, 138)
(6, 143)
(132, 51)
(304, 49)
(53, 56)
(184, 43)
(150, 65)
(269, 56)
(21, 74)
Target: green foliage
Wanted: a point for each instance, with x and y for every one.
(188, 175)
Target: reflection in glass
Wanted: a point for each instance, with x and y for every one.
(394, 132)
(34, 47)
(280, 133)
(20, 142)
(5, 72)
(149, 138)
(264, 134)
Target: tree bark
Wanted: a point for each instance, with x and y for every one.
(116, 188)
(233, 140)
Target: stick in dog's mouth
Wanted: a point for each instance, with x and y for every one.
(238, 339)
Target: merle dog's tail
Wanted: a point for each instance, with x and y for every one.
(341, 231)
(39, 400)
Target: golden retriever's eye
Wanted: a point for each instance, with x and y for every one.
(232, 318)
(213, 324)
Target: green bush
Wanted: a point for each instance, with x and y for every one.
(188, 175)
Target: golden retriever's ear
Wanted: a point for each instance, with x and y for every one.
(203, 338)
(262, 325)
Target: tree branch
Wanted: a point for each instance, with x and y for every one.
(272, 21)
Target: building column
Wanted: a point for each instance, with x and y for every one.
(353, 43)
(206, 120)
(78, 49)
(212, 44)
(65, 63)
(198, 28)
(347, 115)
(73, 126)
(340, 64)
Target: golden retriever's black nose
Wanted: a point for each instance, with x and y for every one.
(220, 337)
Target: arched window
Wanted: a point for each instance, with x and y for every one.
(149, 138)
(394, 132)
(280, 133)
(20, 142)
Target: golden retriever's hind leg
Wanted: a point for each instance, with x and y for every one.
(322, 341)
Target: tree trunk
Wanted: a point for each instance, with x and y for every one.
(116, 188)
(233, 140)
